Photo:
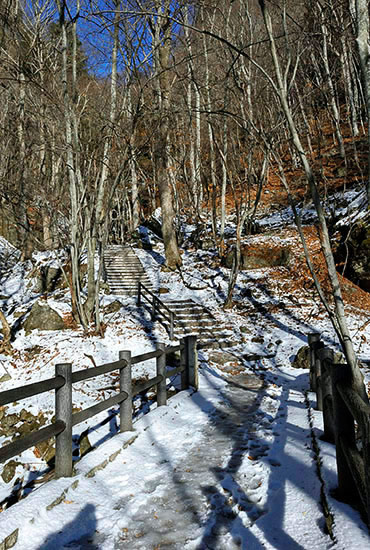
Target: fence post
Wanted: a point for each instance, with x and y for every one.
(63, 411)
(318, 372)
(139, 294)
(313, 340)
(326, 358)
(171, 325)
(366, 455)
(161, 371)
(192, 360)
(125, 384)
(344, 432)
(184, 363)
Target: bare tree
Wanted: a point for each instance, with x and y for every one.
(360, 11)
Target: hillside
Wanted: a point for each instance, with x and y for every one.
(274, 309)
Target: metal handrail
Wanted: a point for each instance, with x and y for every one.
(155, 300)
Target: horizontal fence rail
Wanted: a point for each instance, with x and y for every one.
(346, 419)
(157, 308)
(63, 382)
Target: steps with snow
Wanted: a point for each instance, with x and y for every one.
(124, 271)
(193, 318)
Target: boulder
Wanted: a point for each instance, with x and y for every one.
(113, 307)
(257, 257)
(9, 471)
(48, 279)
(221, 357)
(354, 252)
(302, 358)
(43, 317)
(201, 238)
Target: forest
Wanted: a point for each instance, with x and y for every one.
(112, 108)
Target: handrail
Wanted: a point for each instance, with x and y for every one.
(62, 383)
(155, 301)
(342, 405)
(30, 440)
(156, 297)
(30, 390)
(80, 375)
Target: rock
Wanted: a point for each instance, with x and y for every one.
(9, 471)
(354, 249)
(166, 269)
(258, 339)
(154, 225)
(253, 356)
(18, 314)
(302, 358)
(164, 290)
(104, 287)
(341, 172)
(221, 357)
(43, 317)
(46, 450)
(113, 307)
(84, 443)
(201, 239)
(48, 279)
(207, 244)
(256, 257)
(8, 424)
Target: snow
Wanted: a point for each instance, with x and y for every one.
(229, 466)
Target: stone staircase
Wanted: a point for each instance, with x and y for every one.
(124, 271)
(192, 318)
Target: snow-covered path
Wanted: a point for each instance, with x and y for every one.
(227, 467)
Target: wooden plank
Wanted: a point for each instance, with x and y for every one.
(99, 407)
(9, 396)
(143, 386)
(30, 440)
(80, 375)
(356, 465)
(174, 372)
(173, 349)
(146, 356)
(359, 409)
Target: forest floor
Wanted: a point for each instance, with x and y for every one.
(234, 465)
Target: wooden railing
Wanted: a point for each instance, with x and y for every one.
(156, 307)
(343, 409)
(65, 378)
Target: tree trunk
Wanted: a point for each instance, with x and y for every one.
(363, 44)
(162, 52)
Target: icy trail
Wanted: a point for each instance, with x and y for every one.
(227, 467)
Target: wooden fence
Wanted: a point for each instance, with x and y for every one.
(158, 309)
(65, 378)
(346, 422)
